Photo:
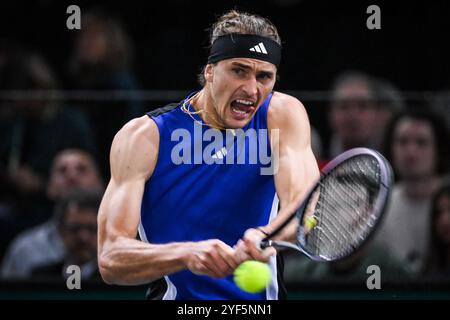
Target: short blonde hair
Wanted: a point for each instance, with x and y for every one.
(243, 23)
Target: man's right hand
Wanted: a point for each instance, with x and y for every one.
(213, 258)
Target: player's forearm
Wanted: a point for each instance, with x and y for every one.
(132, 262)
(291, 193)
(287, 233)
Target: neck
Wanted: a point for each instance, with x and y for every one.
(420, 188)
(203, 103)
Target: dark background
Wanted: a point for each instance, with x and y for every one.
(320, 38)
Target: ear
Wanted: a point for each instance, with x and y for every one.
(209, 72)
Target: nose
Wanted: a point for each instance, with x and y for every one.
(84, 235)
(250, 87)
(72, 176)
(411, 148)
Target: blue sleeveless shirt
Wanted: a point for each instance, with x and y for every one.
(207, 185)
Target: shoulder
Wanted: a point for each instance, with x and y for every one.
(135, 147)
(33, 237)
(286, 110)
(138, 130)
(279, 98)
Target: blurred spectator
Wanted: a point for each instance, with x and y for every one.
(351, 270)
(352, 112)
(388, 103)
(101, 61)
(438, 260)
(361, 108)
(71, 169)
(34, 127)
(417, 145)
(76, 219)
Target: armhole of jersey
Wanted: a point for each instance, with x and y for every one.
(265, 115)
(273, 289)
(155, 117)
(162, 288)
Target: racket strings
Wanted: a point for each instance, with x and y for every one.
(344, 208)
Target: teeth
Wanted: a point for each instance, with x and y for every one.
(238, 111)
(246, 102)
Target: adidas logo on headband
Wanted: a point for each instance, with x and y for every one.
(259, 48)
(235, 45)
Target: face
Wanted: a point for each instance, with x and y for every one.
(237, 87)
(72, 168)
(79, 234)
(442, 222)
(92, 44)
(413, 149)
(353, 114)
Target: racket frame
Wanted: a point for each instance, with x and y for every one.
(386, 180)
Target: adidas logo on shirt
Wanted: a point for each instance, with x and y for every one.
(220, 154)
(259, 48)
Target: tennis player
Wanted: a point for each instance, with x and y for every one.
(185, 177)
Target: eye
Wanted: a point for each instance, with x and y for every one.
(264, 76)
(62, 169)
(238, 71)
(82, 169)
(421, 142)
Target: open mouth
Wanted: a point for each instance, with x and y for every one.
(241, 108)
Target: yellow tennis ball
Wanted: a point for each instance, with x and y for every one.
(310, 223)
(252, 276)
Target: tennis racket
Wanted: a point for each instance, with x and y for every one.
(343, 208)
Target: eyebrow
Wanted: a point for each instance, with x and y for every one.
(247, 67)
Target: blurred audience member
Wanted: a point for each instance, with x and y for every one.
(352, 270)
(438, 261)
(76, 220)
(388, 103)
(418, 146)
(34, 127)
(101, 61)
(361, 108)
(72, 168)
(353, 110)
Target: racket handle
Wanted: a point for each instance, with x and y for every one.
(265, 244)
(279, 244)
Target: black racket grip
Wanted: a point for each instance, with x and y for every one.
(265, 244)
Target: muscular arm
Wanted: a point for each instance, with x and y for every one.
(298, 168)
(122, 258)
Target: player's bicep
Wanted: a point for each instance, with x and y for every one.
(133, 158)
(119, 213)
